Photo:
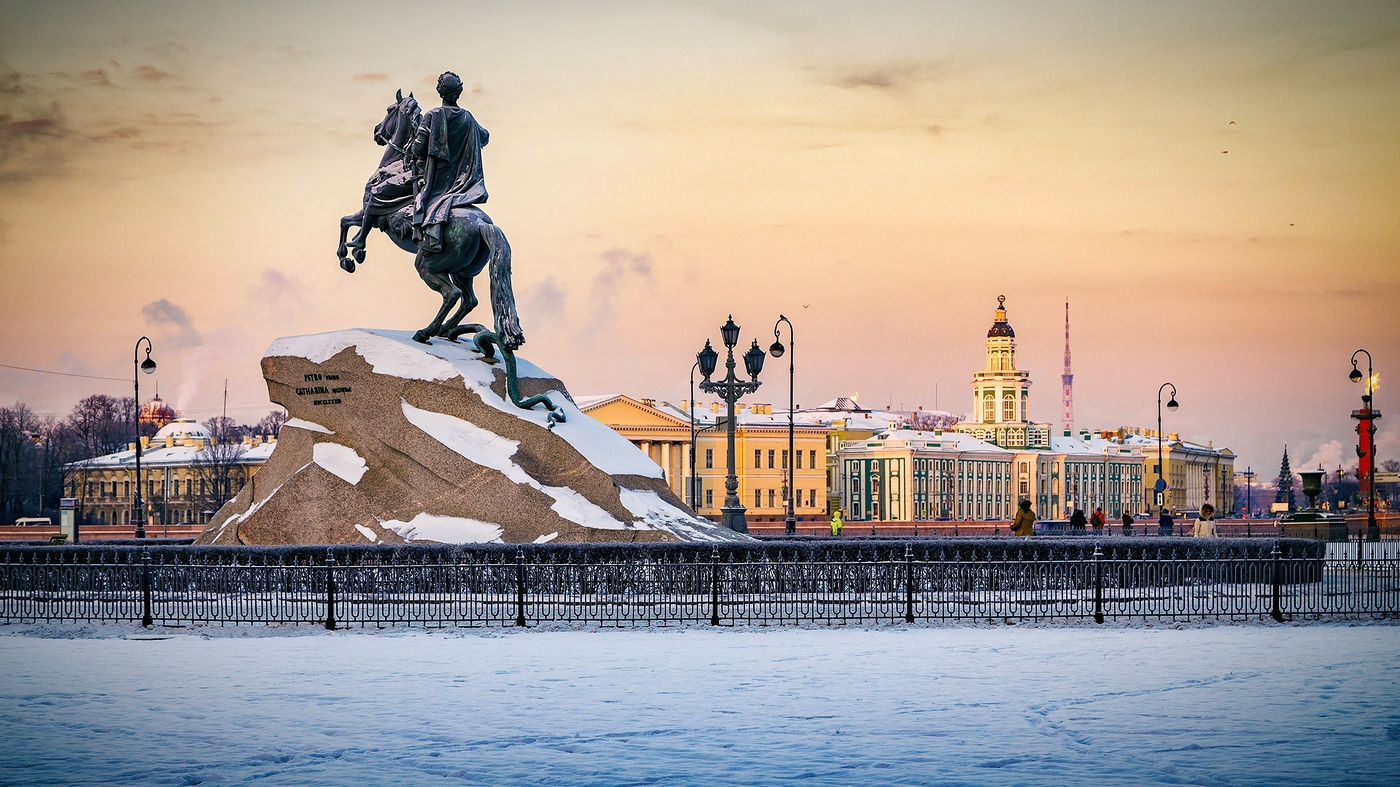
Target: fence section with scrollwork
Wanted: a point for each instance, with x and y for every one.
(770, 584)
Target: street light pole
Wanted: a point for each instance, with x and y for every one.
(777, 350)
(730, 389)
(692, 485)
(1366, 417)
(147, 366)
(1161, 486)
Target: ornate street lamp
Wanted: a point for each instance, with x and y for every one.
(777, 350)
(730, 389)
(1366, 418)
(147, 367)
(1161, 487)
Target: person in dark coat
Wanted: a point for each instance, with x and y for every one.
(1165, 524)
(1127, 523)
(1077, 520)
(448, 147)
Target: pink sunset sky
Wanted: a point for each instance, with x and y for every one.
(877, 172)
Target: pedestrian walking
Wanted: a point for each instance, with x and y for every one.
(1024, 523)
(1127, 523)
(836, 522)
(1096, 519)
(1205, 523)
(1077, 521)
(1165, 524)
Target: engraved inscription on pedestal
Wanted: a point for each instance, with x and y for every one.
(330, 392)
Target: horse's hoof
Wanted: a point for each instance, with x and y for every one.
(347, 264)
(358, 254)
(423, 337)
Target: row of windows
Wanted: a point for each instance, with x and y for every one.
(772, 454)
(811, 498)
(154, 488)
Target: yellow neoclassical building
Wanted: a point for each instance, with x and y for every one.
(662, 431)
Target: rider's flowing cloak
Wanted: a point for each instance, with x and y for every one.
(454, 146)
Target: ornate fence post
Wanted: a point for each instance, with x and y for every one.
(1276, 605)
(1098, 583)
(146, 619)
(520, 586)
(908, 583)
(330, 590)
(714, 586)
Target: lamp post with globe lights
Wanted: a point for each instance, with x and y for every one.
(730, 389)
(147, 366)
(1366, 427)
(777, 350)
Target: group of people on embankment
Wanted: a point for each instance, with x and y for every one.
(1204, 527)
(1024, 522)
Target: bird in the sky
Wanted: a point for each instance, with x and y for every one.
(1224, 151)
(805, 305)
(1232, 122)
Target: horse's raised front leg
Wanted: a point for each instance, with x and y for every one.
(450, 295)
(346, 222)
(468, 302)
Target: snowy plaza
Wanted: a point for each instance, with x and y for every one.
(1243, 704)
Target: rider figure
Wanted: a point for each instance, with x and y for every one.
(448, 149)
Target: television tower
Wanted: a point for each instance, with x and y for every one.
(1067, 379)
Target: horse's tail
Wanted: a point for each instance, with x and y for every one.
(502, 295)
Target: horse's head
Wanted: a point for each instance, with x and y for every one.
(399, 123)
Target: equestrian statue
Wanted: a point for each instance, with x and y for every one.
(425, 195)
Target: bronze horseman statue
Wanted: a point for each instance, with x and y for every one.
(425, 195)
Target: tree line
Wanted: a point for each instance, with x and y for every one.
(34, 449)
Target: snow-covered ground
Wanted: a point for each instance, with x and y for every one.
(1247, 704)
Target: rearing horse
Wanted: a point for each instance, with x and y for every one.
(470, 241)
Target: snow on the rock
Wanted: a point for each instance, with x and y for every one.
(340, 460)
(447, 529)
(1247, 706)
(650, 508)
(382, 350)
(489, 449)
(547, 537)
(395, 353)
(310, 426)
(369, 535)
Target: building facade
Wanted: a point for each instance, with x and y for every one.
(1195, 473)
(662, 430)
(187, 473)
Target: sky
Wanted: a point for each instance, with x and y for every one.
(1213, 186)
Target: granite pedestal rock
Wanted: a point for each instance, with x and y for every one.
(389, 440)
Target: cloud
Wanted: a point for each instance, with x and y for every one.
(97, 76)
(370, 76)
(1329, 456)
(621, 268)
(888, 77)
(274, 286)
(545, 302)
(176, 323)
(150, 74)
(291, 51)
(31, 135)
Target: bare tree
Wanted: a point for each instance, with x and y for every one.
(271, 424)
(218, 474)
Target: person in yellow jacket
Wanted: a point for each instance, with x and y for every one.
(836, 522)
(1024, 523)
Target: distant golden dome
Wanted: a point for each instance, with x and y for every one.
(157, 412)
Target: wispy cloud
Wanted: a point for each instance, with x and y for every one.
(370, 76)
(150, 74)
(174, 321)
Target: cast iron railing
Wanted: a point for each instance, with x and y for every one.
(774, 583)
